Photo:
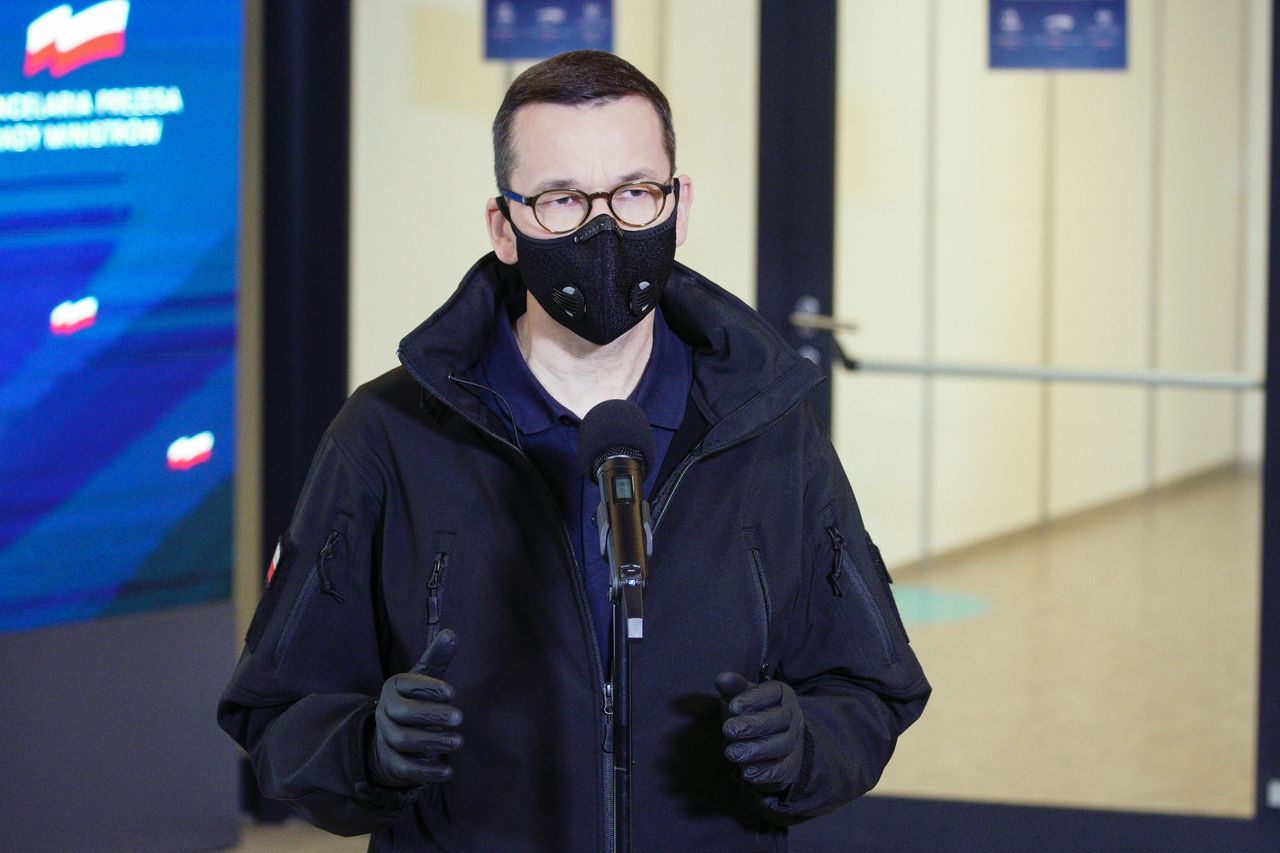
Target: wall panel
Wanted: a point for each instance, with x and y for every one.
(989, 254)
(1199, 222)
(711, 73)
(1099, 268)
(422, 165)
(880, 258)
(1255, 176)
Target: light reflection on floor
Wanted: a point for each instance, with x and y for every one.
(923, 605)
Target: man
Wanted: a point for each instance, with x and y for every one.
(429, 660)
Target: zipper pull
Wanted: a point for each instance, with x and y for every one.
(608, 717)
(326, 586)
(433, 587)
(837, 564)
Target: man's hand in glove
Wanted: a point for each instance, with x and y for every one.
(414, 724)
(764, 728)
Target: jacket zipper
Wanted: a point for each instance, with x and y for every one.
(579, 585)
(608, 717)
(842, 561)
(438, 566)
(694, 456)
(679, 477)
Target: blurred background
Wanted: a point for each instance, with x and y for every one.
(1028, 239)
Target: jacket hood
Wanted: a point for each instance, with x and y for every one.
(744, 374)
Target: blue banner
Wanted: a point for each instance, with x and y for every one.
(1058, 34)
(536, 29)
(119, 165)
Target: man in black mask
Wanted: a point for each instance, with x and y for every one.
(428, 661)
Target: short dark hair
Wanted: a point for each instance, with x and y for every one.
(576, 77)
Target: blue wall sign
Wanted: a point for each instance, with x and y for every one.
(119, 163)
(536, 29)
(1058, 33)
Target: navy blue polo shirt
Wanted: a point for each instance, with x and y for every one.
(549, 434)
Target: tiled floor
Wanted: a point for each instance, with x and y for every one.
(1106, 661)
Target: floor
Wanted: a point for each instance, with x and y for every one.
(296, 836)
(1105, 661)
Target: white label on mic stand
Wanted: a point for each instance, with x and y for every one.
(635, 629)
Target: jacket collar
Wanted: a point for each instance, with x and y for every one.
(744, 374)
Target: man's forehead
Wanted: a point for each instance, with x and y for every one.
(560, 145)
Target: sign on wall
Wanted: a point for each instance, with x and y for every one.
(119, 153)
(536, 29)
(1058, 33)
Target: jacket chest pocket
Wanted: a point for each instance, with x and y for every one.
(441, 555)
(846, 581)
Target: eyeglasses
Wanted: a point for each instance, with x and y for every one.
(561, 211)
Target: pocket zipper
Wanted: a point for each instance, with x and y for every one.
(326, 553)
(438, 564)
(766, 612)
(837, 564)
(838, 567)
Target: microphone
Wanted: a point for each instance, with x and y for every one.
(615, 445)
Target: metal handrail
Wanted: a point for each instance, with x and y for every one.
(1150, 378)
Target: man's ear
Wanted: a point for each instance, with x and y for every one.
(501, 237)
(682, 208)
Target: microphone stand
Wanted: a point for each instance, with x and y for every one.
(621, 680)
(626, 592)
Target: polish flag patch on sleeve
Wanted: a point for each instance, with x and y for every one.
(275, 561)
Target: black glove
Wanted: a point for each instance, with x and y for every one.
(414, 724)
(765, 729)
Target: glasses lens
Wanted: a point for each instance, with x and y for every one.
(637, 204)
(561, 210)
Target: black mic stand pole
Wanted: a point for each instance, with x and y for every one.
(626, 592)
(621, 680)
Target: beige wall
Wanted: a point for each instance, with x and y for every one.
(422, 102)
(1096, 220)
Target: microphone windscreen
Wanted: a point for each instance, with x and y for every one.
(612, 428)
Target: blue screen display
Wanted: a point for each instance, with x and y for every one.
(536, 29)
(1085, 34)
(119, 165)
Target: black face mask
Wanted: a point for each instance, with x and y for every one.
(599, 281)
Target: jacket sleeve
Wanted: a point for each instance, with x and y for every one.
(303, 692)
(845, 652)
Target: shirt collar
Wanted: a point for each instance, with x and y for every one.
(661, 392)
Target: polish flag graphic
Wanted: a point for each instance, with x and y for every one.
(62, 42)
(190, 450)
(70, 317)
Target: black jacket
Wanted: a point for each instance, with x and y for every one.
(420, 513)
